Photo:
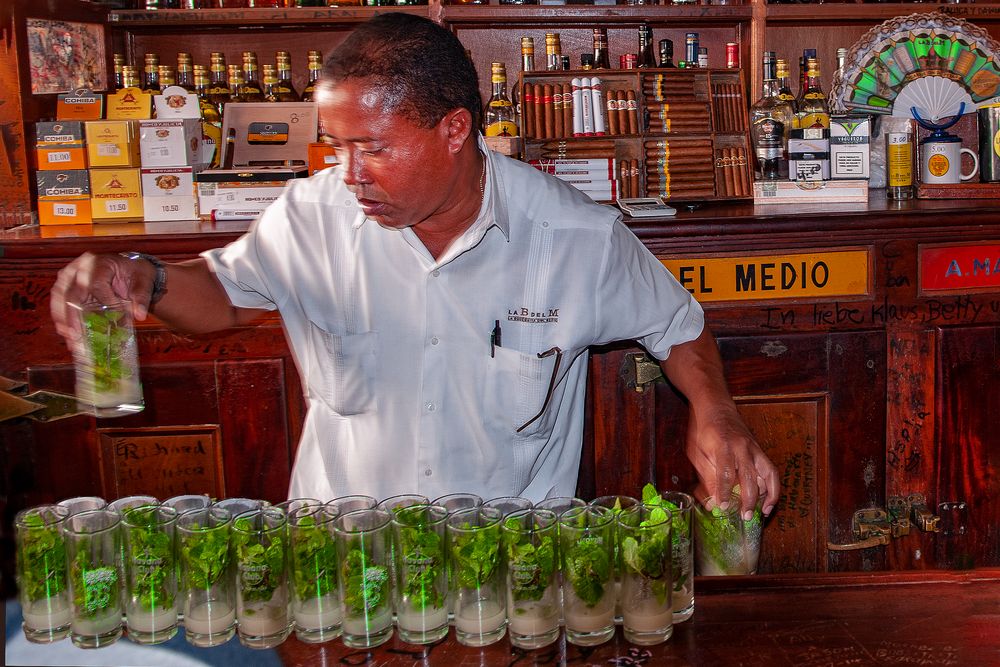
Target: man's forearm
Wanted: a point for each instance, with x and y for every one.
(196, 302)
(695, 368)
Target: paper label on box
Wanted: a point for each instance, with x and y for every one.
(108, 150)
(116, 205)
(176, 102)
(64, 210)
(60, 156)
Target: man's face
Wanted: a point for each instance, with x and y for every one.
(402, 174)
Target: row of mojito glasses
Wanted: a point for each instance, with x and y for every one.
(353, 567)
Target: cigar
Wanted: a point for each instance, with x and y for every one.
(633, 173)
(612, 106)
(623, 177)
(633, 112)
(729, 185)
(568, 110)
(549, 111)
(622, 111)
(528, 109)
(539, 124)
(745, 187)
(557, 110)
(677, 141)
(601, 143)
(580, 154)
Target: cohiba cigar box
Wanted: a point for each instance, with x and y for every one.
(59, 145)
(59, 132)
(170, 143)
(245, 190)
(112, 143)
(81, 104)
(268, 133)
(63, 197)
(168, 194)
(116, 194)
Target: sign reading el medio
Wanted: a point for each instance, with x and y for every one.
(768, 277)
(966, 267)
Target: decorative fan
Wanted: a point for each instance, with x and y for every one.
(931, 63)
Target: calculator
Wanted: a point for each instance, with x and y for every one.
(645, 207)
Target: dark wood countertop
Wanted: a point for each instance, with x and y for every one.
(931, 618)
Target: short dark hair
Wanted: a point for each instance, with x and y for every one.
(421, 67)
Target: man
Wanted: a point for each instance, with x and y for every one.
(440, 299)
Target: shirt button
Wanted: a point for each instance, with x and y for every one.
(434, 340)
(545, 224)
(428, 472)
(436, 273)
(431, 407)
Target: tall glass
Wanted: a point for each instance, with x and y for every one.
(106, 356)
(92, 546)
(421, 585)
(207, 584)
(82, 504)
(682, 541)
(644, 544)
(345, 504)
(617, 505)
(509, 504)
(315, 591)
(150, 573)
(126, 503)
(292, 504)
(560, 504)
(363, 538)
(238, 506)
(529, 540)
(188, 502)
(41, 573)
(722, 543)
(259, 546)
(477, 585)
(458, 501)
(392, 503)
(587, 541)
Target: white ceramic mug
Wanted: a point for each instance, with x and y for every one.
(941, 162)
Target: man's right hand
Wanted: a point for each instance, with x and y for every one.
(104, 278)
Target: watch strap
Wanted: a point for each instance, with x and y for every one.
(159, 280)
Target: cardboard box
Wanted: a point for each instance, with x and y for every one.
(57, 133)
(168, 194)
(176, 102)
(321, 156)
(63, 197)
(268, 133)
(170, 143)
(112, 143)
(809, 192)
(850, 147)
(81, 104)
(60, 157)
(244, 191)
(116, 194)
(130, 104)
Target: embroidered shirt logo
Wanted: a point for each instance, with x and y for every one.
(529, 316)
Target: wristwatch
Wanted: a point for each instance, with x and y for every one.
(159, 280)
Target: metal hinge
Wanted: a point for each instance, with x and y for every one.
(40, 406)
(875, 526)
(639, 370)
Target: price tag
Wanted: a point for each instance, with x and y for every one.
(170, 208)
(108, 150)
(64, 210)
(116, 205)
(61, 156)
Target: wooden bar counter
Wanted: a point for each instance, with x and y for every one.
(937, 619)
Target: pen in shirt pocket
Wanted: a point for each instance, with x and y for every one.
(495, 338)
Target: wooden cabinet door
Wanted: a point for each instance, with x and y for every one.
(815, 402)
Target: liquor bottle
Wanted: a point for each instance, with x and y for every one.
(119, 60)
(784, 87)
(270, 84)
(667, 53)
(166, 75)
(236, 83)
(185, 72)
(646, 56)
(553, 51)
(130, 78)
(813, 110)
(315, 66)
(151, 76)
(804, 71)
(500, 120)
(836, 105)
(601, 58)
(527, 54)
(770, 119)
(285, 88)
(219, 91)
(251, 90)
(210, 113)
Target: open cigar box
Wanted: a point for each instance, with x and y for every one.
(680, 134)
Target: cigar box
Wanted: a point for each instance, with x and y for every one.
(116, 195)
(321, 156)
(245, 190)
(850, 144)
(59, 133)
(81, 104)
(810, 192)
(168, 193)
(170, 143)
(176, 102)
(130, 104)
(509, 146)
(60, 157)
(63, 197)
(112, 143)
(268, 134)
(808, 159)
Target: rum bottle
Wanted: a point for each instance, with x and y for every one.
(770, 118)
(500, 120)
(601, 58)
(185, 72)
(813, 111)
(219, 92)
(285, 88)
(784, 86)
(315, 65)
(151, 76)
(251, 90)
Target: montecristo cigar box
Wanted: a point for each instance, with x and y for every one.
(242, 193)
(115, 195)
(63, 197)
(112, 143)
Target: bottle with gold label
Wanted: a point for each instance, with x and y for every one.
(285, 89)
(251, 91)
(151, 76)
(553, 51)
(119, 60)
(185, 72)
(270, 84)
(236, 83)
(813, 110)
(500, 120)
(315, 64)
(601, 58)
(166, 74)
(210, 112)
(784, 84)
(130, 78)
(219, 92)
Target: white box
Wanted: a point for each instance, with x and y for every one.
(247, 191)
(168, 194)
(170, 143)
(850, 147)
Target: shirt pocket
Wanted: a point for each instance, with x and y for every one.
(515, 392)
(347, 367)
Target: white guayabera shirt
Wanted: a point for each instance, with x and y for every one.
(406, 394)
